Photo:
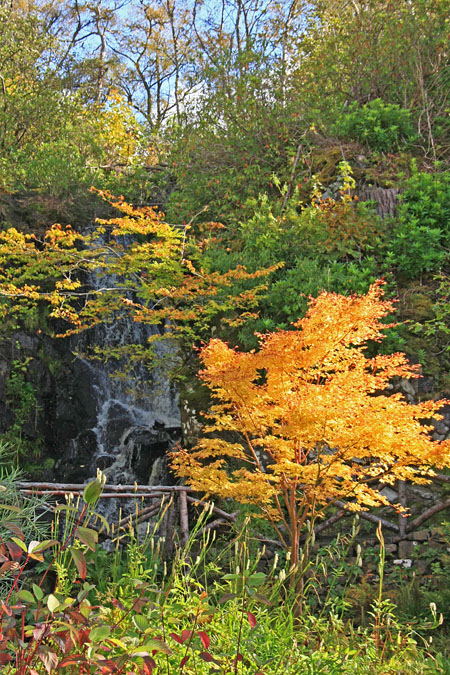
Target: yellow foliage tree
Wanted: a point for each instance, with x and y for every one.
(150, 272)
(120, 135)
(306, 421)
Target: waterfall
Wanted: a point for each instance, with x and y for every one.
(131, 419)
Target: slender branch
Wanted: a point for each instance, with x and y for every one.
(218, 522)
(288, 192)
(442, 477)
(331, 520)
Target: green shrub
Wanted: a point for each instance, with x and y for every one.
(421, 233)
(338, 245)
(55, 167)
(417, 249)
(427, 198)
(16, 509)
(384, 127)
(21, 398)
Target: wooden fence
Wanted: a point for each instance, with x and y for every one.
(175, 499)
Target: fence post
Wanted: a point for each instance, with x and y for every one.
(184, 518)
(170, 519)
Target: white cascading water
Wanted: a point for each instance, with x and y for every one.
(137, 412)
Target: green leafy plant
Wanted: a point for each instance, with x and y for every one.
(388, 632)
(196, 616)
(419, 241)
(17, 510)
(22, 605)
(21, 398)
(384, 127)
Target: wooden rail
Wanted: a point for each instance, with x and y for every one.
(117, 491)
(178, 498)
(166, 495)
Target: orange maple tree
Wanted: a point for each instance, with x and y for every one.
(306, 420)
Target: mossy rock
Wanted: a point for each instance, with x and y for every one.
(325, 161)
(444, 385)
(385, 170)
(420, 349)
(34, 212)
(195, 394)
(418, 306)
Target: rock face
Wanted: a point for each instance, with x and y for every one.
(77, 416)
(81, 418)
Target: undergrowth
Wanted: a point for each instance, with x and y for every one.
(73, 606)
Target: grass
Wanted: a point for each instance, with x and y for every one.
(217, 607)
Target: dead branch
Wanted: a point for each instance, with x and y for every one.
(436, 508)
(215, 509)
(330, 521)
(370, 517)
(213, 525)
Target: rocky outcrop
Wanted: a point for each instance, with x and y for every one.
(63, 436)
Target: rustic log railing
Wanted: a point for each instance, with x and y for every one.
(116, 491)
(177, 498)
(166, 496)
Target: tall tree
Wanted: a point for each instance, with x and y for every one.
(83, 30)
(154, 45)
(28, 80)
